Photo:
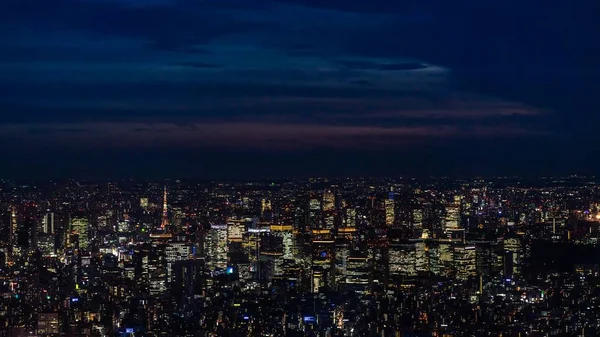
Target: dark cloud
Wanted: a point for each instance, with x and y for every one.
(200, 65)
(301, 74)
(372, 6)
(180, 25)
(361, 82)
(367, 65)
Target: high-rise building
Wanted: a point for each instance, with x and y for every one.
(47, 324)
(452, 220)
(358, 267)
(189, 280)
(265, 206)
(465, 261)
(175, 251)
(417, 219)
(155, 265)
(318, 279)
(80, 229)
(14, 248)
(390, 212)
(48, 223)
(46, 243)
(236, 230)
(216, 247)
(328, 201)
(422, 261)
(403, 260)
(144, 203)
(514, 249)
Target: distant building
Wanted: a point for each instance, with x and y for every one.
(80, 230)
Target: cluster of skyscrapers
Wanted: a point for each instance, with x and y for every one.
(317, 257)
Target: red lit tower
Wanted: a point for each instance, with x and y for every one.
(165, 220)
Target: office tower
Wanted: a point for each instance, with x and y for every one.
(349, 220)
(156, 267)
(390, 212)
(14, 248)
(236, 230)
(46, 243)
(271, 255)
(265, 207)
(323, 254)
(514, 249)
(421, 258)
(483, 257)
(216, 247)
(176, 251)
(150, 268)
(80, 230)
(328, 201)
(433, 257)
(318, 278)
(189, 280)
(402, 260)
(288, 240)
(417, 220)
(452, 219)
(48, 226)
(465, 261)
(358, 268)
(144, 203)
(445, 259)
(314, 214)
(342, 253)
(348, 226)
(47, 324)
(328, 215)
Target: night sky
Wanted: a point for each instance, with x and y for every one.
(280, 88)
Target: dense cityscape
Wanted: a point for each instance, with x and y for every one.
(315, 257)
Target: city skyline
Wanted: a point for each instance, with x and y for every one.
(311, 257)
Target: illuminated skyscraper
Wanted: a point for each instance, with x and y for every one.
(14, 249)
(418, 219)
(154, 269)
(342, 252)
(403, 260)
(236, 230)
(422, 262)
(348, 227)
(390, 213)
(144, 203)
(317, 279)
(265, 206)
(314, 212)
(464, 261)
(358, 267)
(48, 223)
(216, 247)
(452, 220)
(328, 201)
(48, 324)
(175, 251)
(80, 228)
(514, 249)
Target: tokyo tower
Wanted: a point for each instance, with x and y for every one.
(165, 218)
